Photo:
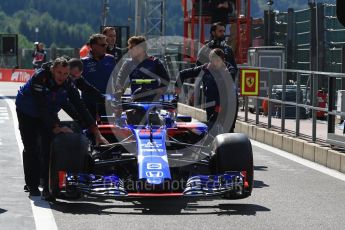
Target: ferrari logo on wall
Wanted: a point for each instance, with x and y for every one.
(250, 82)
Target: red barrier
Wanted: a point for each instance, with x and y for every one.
(15, 75)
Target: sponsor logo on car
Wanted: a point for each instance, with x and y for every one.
(154, 166)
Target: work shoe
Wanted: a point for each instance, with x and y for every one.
(26, 188)
(47, 196)
(34, 191)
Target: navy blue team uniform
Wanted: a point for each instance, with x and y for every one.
(97, 73)
(203, 57)
(214, 82)
(149, 68)
(38, 103)
(83, 86)
(116, 52)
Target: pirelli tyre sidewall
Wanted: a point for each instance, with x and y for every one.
(233, 152)
(69, 152)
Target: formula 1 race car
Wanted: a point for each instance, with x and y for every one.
(154, 152)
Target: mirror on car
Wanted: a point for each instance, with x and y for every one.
(341, 11)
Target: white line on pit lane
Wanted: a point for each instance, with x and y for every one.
(4, 114)
(307, 163)
(42, 213)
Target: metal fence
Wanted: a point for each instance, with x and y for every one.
(297, 115)
(306, 98)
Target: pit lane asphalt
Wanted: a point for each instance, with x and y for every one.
(286, 195)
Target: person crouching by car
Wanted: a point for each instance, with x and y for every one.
(76, 71)
(75, 75)
(38, 103)
(218, 88)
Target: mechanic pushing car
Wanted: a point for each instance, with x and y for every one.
(216, 82)
(75, 75)
(76, 71)
(38, 103)
(141, 66)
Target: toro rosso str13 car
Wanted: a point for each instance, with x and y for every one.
(153, 152)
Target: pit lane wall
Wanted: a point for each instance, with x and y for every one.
(15, 75)
(314, 152)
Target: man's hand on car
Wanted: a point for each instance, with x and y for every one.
(99, 139)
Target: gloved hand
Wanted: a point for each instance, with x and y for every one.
(175, 100)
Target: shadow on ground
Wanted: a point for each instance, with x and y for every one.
(157, 207)
(260, 168)
(260, 184)
(8, 97)
(2, 211)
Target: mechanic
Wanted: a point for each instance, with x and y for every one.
(37, 105)
(215, 79)
(217, 40)
(75, 75)
(142, 66)
(112, 49)
(97, 68)
(76, 70)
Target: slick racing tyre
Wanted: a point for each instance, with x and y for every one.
(233, 152)
(69, 153)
